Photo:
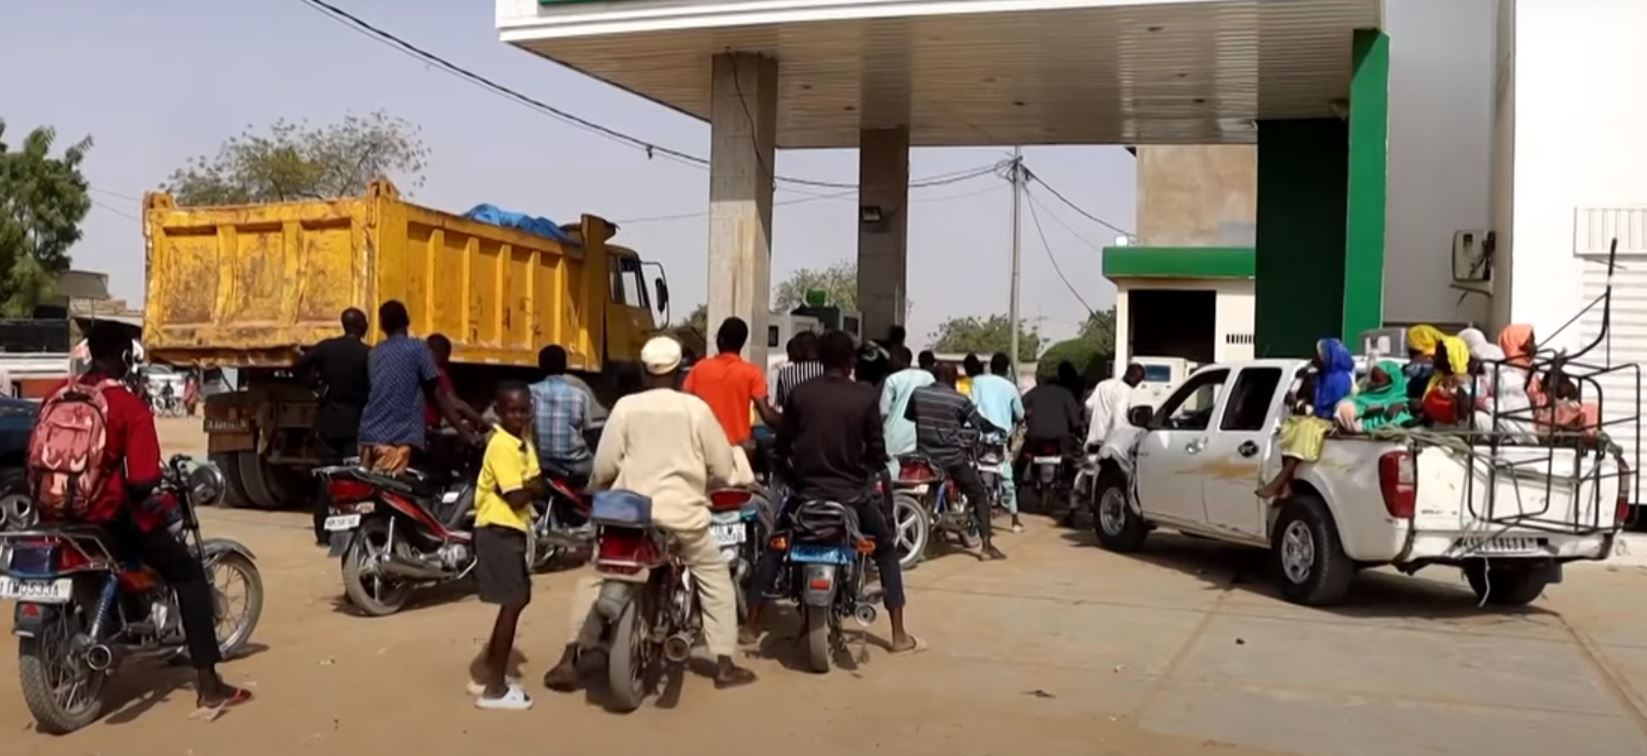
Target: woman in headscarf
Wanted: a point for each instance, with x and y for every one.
(1302, 436)
(1382, 403)
(1422, 341)
(1446, 402)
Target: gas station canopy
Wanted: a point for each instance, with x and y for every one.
(967, 72)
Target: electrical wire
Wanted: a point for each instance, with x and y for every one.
(113, 209)
(1099, 248)
(1100, 221)
(928, 183)
(652, 149)
(1033, 216)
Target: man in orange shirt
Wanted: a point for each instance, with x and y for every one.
(730, 385)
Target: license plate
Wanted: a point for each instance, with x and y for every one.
(811, 553)
(988, 468)
(727, 535)
(1049, 460)
(343, 522)
(36, 591)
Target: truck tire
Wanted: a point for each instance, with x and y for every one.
(1118, 527)
(234, 497)
(263, 487)
(1505, 586)
(1310, 562)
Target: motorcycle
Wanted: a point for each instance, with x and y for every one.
(824, 571)
(397, 533)
(648, 602)
(991, 455)
(737, 523)
(1044, 477)
(924, 500)
(560, 523)
(82, 610)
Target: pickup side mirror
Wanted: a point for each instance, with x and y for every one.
(1141, 415)
(663, 294)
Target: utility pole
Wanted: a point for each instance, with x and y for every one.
(1012, 299)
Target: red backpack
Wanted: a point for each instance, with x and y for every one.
(65, 464)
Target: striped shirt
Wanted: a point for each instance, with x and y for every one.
(942, 416)
(795, 374)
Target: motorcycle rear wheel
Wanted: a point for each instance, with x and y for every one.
(61, 692)
(627, 660)
(817, 638)
(373, 593)
(912, 528)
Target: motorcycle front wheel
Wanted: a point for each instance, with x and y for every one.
(368, 589)
(62, 693)
(911, 527)
(627, 661)
(237, 600)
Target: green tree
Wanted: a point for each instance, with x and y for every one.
(839, 282)
(42, 201)
(1092, 351)
(293, 161)
(985, 336)
(691, 331)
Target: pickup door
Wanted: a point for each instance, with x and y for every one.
(1205, 451)
(1170, 457)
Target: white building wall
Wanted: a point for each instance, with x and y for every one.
(1441, 73)
(1580, 142)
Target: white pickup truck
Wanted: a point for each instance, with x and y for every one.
(1510, 515)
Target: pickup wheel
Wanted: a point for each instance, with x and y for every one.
(1309, 558)
(1117, 526)
(1505, 586)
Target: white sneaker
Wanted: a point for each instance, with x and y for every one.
(1017, 527)
(514, 700)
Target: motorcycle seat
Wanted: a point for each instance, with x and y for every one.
(915, 469)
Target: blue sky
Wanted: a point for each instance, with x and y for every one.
(157, 82)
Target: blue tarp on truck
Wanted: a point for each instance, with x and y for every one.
(532, 224)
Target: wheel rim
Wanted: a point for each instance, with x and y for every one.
(1297, 551)
(908, 524)
(74, 686)
(231, 602)
(1112, 511)
(373, 552)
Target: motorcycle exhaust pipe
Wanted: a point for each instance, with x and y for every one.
(566, 541)
(100, 658)
(865, 614)
(677, 648)
(406, 568)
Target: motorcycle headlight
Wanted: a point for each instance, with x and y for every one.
(207, 485)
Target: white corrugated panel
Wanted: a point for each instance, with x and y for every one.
(1626, 342)
(1595, 228)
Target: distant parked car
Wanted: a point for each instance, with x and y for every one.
(16, 422)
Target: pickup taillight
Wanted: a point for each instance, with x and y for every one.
(1398, 480)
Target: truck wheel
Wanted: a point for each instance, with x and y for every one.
(270, 486)
(1309, 558)
(1505, 586)
(235, 497)
(1118, 527)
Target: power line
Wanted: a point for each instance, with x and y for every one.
(652, 149)
(1060, 221)
(115, 210)
(1036, 218)
(941, 179)
(1100, 221)
(101, 190)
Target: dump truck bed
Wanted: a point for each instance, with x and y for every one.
(249, 286)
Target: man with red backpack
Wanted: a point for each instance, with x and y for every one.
(94, 458)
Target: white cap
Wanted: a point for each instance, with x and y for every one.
(661, 355)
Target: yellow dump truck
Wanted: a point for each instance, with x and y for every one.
(249, 287)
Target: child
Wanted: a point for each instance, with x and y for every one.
(508, 484)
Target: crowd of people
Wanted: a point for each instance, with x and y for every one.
(1449, 382)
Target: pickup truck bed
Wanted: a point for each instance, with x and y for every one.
(1509, 514)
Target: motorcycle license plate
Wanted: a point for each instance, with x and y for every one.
(36, 591)
(727, 534)
(811, 553)
(988, 468)
(1049, 460)
(342, 522)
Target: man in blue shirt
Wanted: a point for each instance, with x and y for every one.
(561, 414)
(998, 401)
(403, 376)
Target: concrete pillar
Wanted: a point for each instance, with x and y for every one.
(883, 186)
(743, 120)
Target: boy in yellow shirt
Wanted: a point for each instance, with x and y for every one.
(509, 482)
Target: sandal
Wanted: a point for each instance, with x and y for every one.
(919, 647)
(211, 713)
(514, 700)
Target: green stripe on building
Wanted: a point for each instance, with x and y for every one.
(1179, 262)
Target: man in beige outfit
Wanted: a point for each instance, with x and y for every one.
(667, 445)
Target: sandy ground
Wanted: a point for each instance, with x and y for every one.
(1062, 649)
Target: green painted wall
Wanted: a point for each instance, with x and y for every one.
(1178, 262)
(1369, 149)
(1300, 266)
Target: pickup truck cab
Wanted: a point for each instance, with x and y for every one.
(1509, 512)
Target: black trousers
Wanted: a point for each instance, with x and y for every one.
(966, 477)
(875, 521)
(182, 571)
(333, 450)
